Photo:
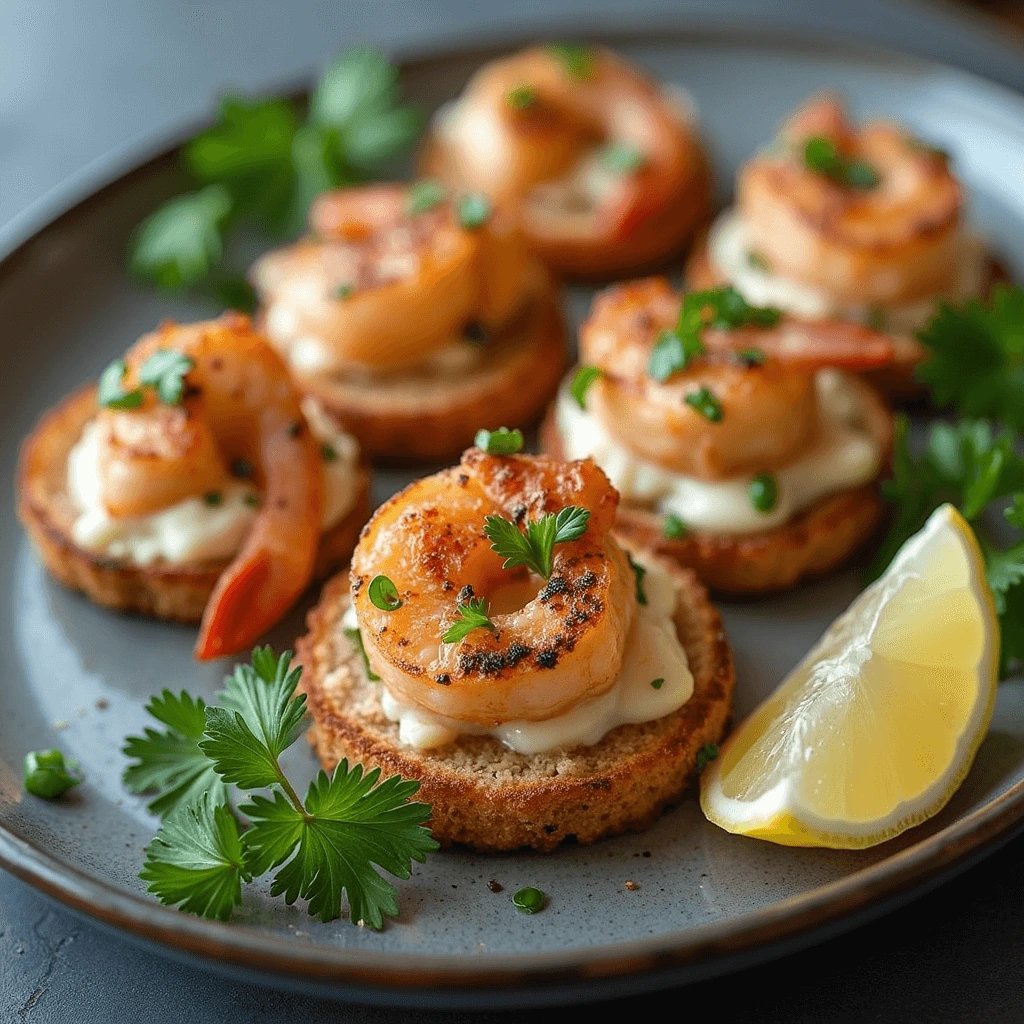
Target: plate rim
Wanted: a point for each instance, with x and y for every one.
(847, 899)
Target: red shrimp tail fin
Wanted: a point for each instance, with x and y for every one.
(234, 618)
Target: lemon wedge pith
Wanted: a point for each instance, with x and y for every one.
(877, 727)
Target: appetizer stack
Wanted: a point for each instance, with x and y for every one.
(529, 637)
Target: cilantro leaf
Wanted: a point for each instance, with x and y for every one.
(534, 547)
(196, 859)
(259, 717)
(349, 824)
(1015, 513)
(171, 763)
(165, 370)
(976, 356)
(472, 615)
(181, 242)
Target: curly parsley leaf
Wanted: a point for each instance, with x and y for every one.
(170, 762)
(471, 615)
(534, 547)
(976, 356)
(349, 823)
(196, 860)
(259, 717)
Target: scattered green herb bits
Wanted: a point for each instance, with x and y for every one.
(499, 442)
(585, 376)
(764, 492)
(673, 527)
(529, 900)
(704, 403)
(47, 773)
(384, 594)
(706, 755)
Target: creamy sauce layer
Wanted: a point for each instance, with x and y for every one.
(844, 456)
(730, 245)
(652, 652)
(194, 530)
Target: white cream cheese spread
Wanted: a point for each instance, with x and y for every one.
(654, 681)
(730, 245)
(845, 455)
(196, 529)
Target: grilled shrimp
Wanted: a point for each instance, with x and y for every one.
(238, 413)
(587, 154)
(891, 242)
(768, 410)
(554, 642)
(381, 286)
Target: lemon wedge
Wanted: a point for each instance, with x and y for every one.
(877, 727)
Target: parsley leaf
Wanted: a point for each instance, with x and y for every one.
(348, 823)
(822, 157)
(165, 371)
(196, 859)
(472, 615)
(577, 60)
(585, 376)
(110, 393)
(639, 571)
(171, 763)
(976, 356)
(534, 547)
(181, 242)
(259, 717)
(499, 442)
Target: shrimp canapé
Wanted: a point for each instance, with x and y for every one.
(415, 315)
(550, 644)
(194, 482)
(603, 166)
(864, 223)
(717, 419)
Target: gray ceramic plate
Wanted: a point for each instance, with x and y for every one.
(706, 901)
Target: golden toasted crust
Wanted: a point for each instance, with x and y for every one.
(812, 544)
(175, 592)
(491, 798)
(411, 418)
(897, 381)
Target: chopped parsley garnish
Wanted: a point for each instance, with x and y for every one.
(750, 357)
(976, 356)
(585, 376)
(673, 527)
(324, 847)
(529, 900)
(165, 371)
(424, 196)
(639, 571)
(522, 97)
(110, 393)
(720, 308)
(822, 157)
(213, 498)
(764, 492)
(534, 547)
(499, 442)
(576, 59)
(622, 159)
(383, 594)
(704, 403)
(342, 291)
(758, 261)
(658, 683)
(241, 469)
(972, 466)
(47, 773)
(355, 638)
(263, 163)
(471, 615)
(328, 452)
(474, 211)
(252, 500)
(706, 755)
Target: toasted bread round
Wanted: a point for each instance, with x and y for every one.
(897, 381)
(175, 592)
(431, 416)
(811, 544)
(488, 797)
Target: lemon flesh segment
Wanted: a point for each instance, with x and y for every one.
(876, 728)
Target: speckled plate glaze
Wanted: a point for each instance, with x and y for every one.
(78, 677)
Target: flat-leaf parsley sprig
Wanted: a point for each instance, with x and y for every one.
(325, 846)
(473, 614)
(534, 548)
(971, 466)
(263, 163)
